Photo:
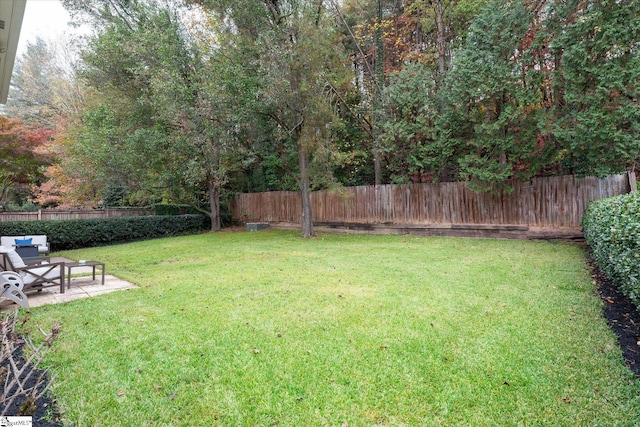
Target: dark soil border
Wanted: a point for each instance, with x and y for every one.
(42, 408)
(622, 317)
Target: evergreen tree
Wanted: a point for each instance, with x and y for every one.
(410, 138)
(598, 118)
(494, 100)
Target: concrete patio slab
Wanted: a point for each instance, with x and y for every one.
(82, 286)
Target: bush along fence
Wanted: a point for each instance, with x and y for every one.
(81, 233)
(57, 214)
(541, 207)
(46, 215)
(612, 230)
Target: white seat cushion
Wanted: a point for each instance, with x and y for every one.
(28, 278)
(9, 241)
(15, 259)
(41, 241)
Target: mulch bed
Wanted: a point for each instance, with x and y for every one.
(621, 314)
(41, 409)
(34, 382)
(622, 317)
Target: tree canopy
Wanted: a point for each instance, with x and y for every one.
(190, 100)
(23, 156)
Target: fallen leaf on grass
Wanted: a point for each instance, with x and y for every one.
(121, 393)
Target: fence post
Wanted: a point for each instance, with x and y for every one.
(633, 185)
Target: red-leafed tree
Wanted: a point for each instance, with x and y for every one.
(24, 154)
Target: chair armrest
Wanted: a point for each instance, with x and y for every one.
(41, 265)
(38, 274)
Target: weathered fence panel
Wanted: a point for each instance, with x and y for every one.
(553, 202)
(45, 214)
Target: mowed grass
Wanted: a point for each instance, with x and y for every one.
(266, 328)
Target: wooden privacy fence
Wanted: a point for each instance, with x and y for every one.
(541, 203)
(45, 214)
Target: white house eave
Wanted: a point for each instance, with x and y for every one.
(11, 14)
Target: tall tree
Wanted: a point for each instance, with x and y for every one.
(23, 156)
(411, 140)
(597, 116)
(409, 32)
(369, 24)
(201, 99)
(174, 113)
(300, 62)
(494, 100)
(44, 87)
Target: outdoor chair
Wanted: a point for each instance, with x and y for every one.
(35, 276)
(11, 285)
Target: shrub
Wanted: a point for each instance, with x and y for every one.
(173, 209)
(81, 233)
(612, 230)
(226, 219)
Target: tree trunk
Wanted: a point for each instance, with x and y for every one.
(377, 165)
(307, 220)
(214, 204)
(437, 4)
(377, 105)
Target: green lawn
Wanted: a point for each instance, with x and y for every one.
(263, 329)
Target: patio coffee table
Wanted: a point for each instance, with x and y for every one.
(91, 264)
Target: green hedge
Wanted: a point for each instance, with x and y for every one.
(173, 209)
(226, 219)
(82, 233)
(612, 229)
